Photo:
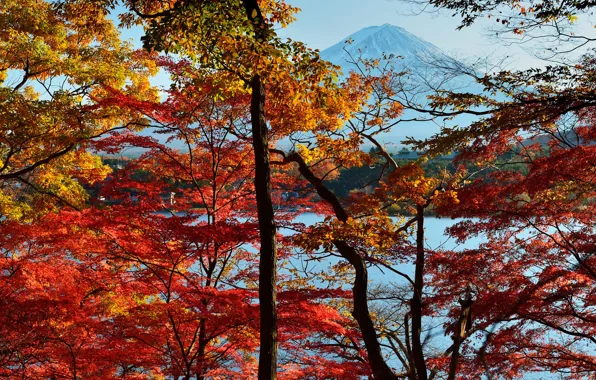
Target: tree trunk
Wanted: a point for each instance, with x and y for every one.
(416, 303)
(267, 230)
(202, 350)
(464, 323)
(379, 367)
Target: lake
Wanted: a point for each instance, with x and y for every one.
(435, 238)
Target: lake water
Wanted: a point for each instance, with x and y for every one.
(434, 227)
(435, 238)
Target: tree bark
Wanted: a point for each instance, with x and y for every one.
(379, 367)
(464, 323)
(267, 229)
(416, 303)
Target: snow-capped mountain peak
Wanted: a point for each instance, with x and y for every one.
(374, 41)
(425, 68)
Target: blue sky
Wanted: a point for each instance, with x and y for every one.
(322, 23)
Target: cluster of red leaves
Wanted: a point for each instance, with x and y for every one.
(533, 277)
(161, 280)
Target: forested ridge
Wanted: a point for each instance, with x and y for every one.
(355, 180)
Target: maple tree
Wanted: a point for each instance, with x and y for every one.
(538, 226)
(530, 281)
(238, 37)
(55, 67)
(156, 277)
(178, 290)
(134, 246)
(360, 230)
(152, 282)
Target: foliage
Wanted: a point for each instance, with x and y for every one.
(56, 67)
(531, 279)
(156, 275)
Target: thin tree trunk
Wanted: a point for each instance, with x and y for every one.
(463, 325)
(416, 305)
(379, 367)
(267, 230)
(202, 349)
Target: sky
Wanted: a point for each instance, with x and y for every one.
(323, 23)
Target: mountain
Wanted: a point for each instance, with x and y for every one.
(419, 58)
(426, 63)
(374, 41)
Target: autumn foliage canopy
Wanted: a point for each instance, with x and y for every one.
(193, 260)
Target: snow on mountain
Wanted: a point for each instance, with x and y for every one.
(419, 59)
(427, 64)
(374, 41)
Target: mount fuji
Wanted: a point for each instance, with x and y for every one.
(427, 67)
(374, 41)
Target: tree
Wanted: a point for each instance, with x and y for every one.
(329, 148)
(55, 67)
(197, 262)
(531, 279)
(522, 16)
(239, 38)
(360, 231)
(171, 283)
(179, 290)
